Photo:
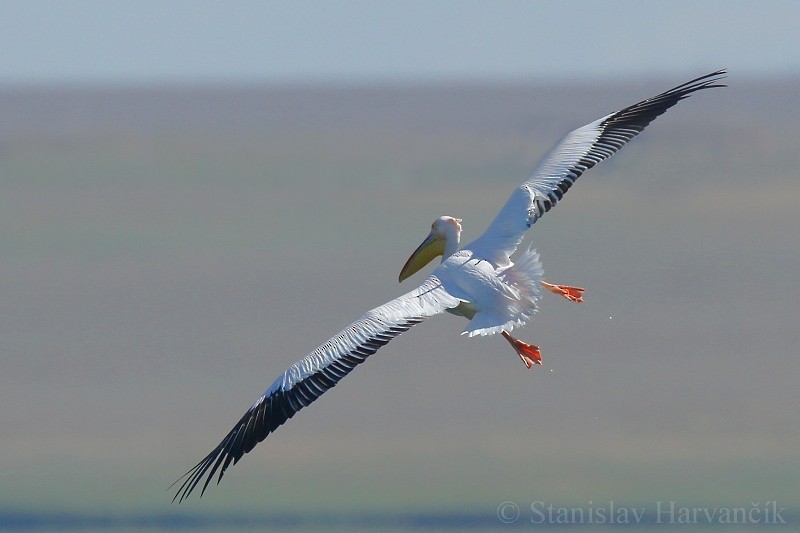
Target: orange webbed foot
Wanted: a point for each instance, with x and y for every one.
(573, 294)
(529, 353)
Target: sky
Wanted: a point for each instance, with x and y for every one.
(182, 41)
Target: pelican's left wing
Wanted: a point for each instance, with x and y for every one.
(307, 379)
(577, 152)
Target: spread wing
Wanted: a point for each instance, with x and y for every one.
(309, 378)
(577, 152)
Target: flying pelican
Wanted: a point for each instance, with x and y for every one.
(478, 282)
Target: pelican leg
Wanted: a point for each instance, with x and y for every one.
(573, 294)
(529, 353)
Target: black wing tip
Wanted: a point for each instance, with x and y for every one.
(276, 407)
(639, 115)
(706, 81)
(710, 77)
(192, 478)
(219, 459)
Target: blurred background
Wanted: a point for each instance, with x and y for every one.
(193, 195)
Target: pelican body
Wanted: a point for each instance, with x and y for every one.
(479, 282)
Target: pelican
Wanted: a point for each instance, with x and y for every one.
(479, 282)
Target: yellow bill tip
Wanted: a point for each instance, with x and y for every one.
(430, 248)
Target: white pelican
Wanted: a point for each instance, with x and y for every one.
(479, 282)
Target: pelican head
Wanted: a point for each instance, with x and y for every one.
(442, 240)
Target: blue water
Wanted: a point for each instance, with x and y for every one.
(32, 521)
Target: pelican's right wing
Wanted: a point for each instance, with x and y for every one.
(577, 152)
(307, 379)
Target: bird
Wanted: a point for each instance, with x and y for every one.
(479, 282)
